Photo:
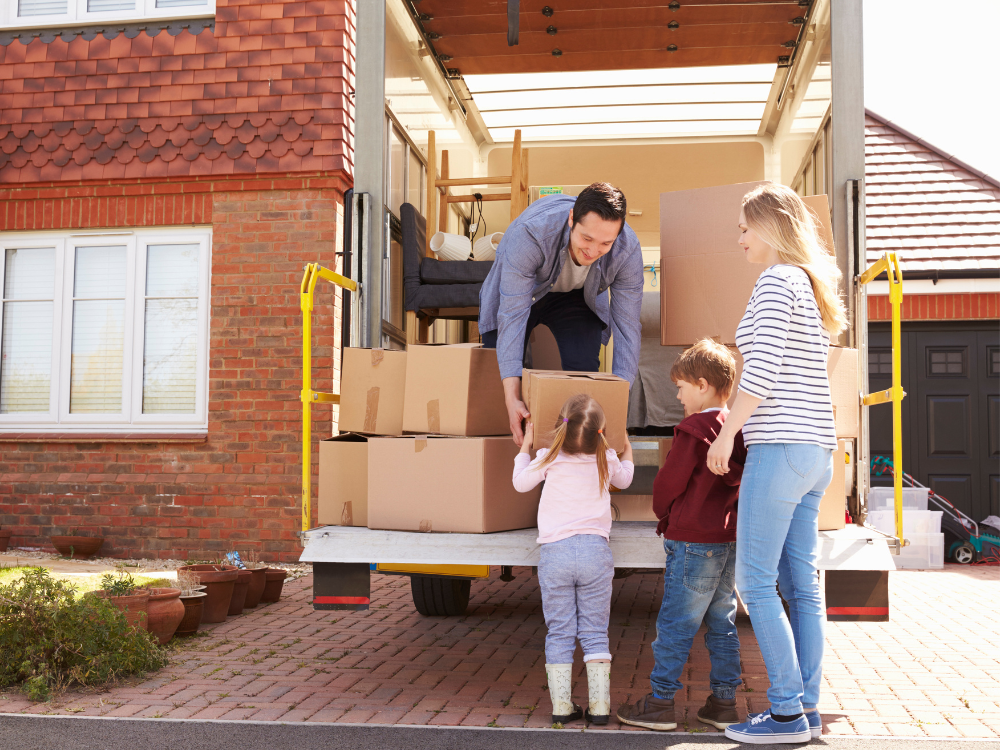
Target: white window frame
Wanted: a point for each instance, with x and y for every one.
(77, 13)
(131, 419)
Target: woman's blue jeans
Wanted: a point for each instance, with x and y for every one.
(777, 540)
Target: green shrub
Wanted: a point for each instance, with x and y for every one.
(50, 639)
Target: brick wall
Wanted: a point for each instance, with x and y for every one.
(240, 488)
(979, 306)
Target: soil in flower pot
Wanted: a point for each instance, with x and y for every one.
(219, 581)
(274, 581)
(5, 535)
(193, 606)
(134, 606)
(239, 592)
(77, 547)
(258, 579)
(165, 611)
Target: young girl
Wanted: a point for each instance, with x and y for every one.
(784, 409)
(576, 567)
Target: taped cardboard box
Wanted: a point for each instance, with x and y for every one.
(371, 391)
(454, 390)
(707, 280)
(632, 508)
(833, 506)
(545, 391)
(343, 481)
(461, 485)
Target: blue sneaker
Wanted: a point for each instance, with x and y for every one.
(761, 729)
(815, 723)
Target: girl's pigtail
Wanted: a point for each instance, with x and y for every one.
(558, 439)
(602, 462)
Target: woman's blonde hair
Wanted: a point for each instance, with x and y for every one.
(579, 430)
(781, 218)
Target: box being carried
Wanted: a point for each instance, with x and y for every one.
(545, 391)
(371, 391)
(454, 390)
(462, 485)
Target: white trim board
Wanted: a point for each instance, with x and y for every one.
(942, 286)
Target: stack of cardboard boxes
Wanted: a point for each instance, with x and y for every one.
(707, 282)
(426, 445)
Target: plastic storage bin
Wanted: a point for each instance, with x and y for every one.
(914, 521)
(924, 552)
(882, 498)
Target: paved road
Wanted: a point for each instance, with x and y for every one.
(80, 733)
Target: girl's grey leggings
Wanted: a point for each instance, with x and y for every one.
(575, 577)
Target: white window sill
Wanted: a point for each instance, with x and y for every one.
(37, 436)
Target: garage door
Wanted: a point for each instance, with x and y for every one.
(951, 415)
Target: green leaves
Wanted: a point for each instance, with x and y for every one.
(51, 639)
(122, 584)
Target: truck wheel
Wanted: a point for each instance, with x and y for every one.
(964, 553)
(440, 597)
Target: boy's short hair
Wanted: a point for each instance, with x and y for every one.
(706, 359)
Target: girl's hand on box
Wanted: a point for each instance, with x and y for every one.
(529, 435)
(627, 453)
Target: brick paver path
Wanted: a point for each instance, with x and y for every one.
(934, 670)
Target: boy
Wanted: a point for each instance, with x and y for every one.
(697, 512)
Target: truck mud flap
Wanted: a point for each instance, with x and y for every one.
(857, 595)
(342, 586)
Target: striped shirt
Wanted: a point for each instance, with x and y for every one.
(784, 348)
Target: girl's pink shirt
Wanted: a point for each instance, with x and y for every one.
(572, 503)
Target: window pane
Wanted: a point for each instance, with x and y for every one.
(25, 376)
(98, 356)
(179, 3)
(26, 346)
(97, 6)
(415, 177)
(397, 155)
(170, 362)
(172, 270)
(98, 330)
(41, 7)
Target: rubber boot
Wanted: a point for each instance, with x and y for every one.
(561, 691)
(599, 689)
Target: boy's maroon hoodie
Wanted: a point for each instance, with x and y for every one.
(692, 503)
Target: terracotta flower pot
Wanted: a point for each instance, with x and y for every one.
(274, 581)
(193, 607)
(239, 592)
(165, 613)
(258, 579)
(135, 606)
(80, 547)
(5, 535)
(219, 581)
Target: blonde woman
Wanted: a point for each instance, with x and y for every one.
(783, 407)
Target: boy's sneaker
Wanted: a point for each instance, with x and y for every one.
(815, 723)
(762, 729)
(718, 712)
(649, 712)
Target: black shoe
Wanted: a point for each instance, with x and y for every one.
(598, 720)
(575, 716)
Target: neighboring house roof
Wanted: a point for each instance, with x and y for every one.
(937, 212)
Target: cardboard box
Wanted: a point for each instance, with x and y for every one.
(460, 485)
(371, 391)
(632, 508)
(343, 481)
(665, 445)
(833, 506)
(545, 391)
(454, 390)
(707, 281)
(842, 368)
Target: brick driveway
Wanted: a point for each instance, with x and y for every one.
(933, 671)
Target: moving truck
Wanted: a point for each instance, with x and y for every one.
(669, 102)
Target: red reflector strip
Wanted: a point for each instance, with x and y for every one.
(857, 610)
(341, 600)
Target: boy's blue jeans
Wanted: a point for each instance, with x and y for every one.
(778, 541)
(697, 586)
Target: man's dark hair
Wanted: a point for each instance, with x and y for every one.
(603, 199)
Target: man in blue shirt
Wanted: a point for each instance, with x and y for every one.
(555, 266)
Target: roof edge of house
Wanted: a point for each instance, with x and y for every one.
(950, 157)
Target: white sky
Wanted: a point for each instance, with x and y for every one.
(932, 67)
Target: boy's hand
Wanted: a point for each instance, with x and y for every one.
(529, 436)
(627, 453)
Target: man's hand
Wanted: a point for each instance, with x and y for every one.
(516, 410)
